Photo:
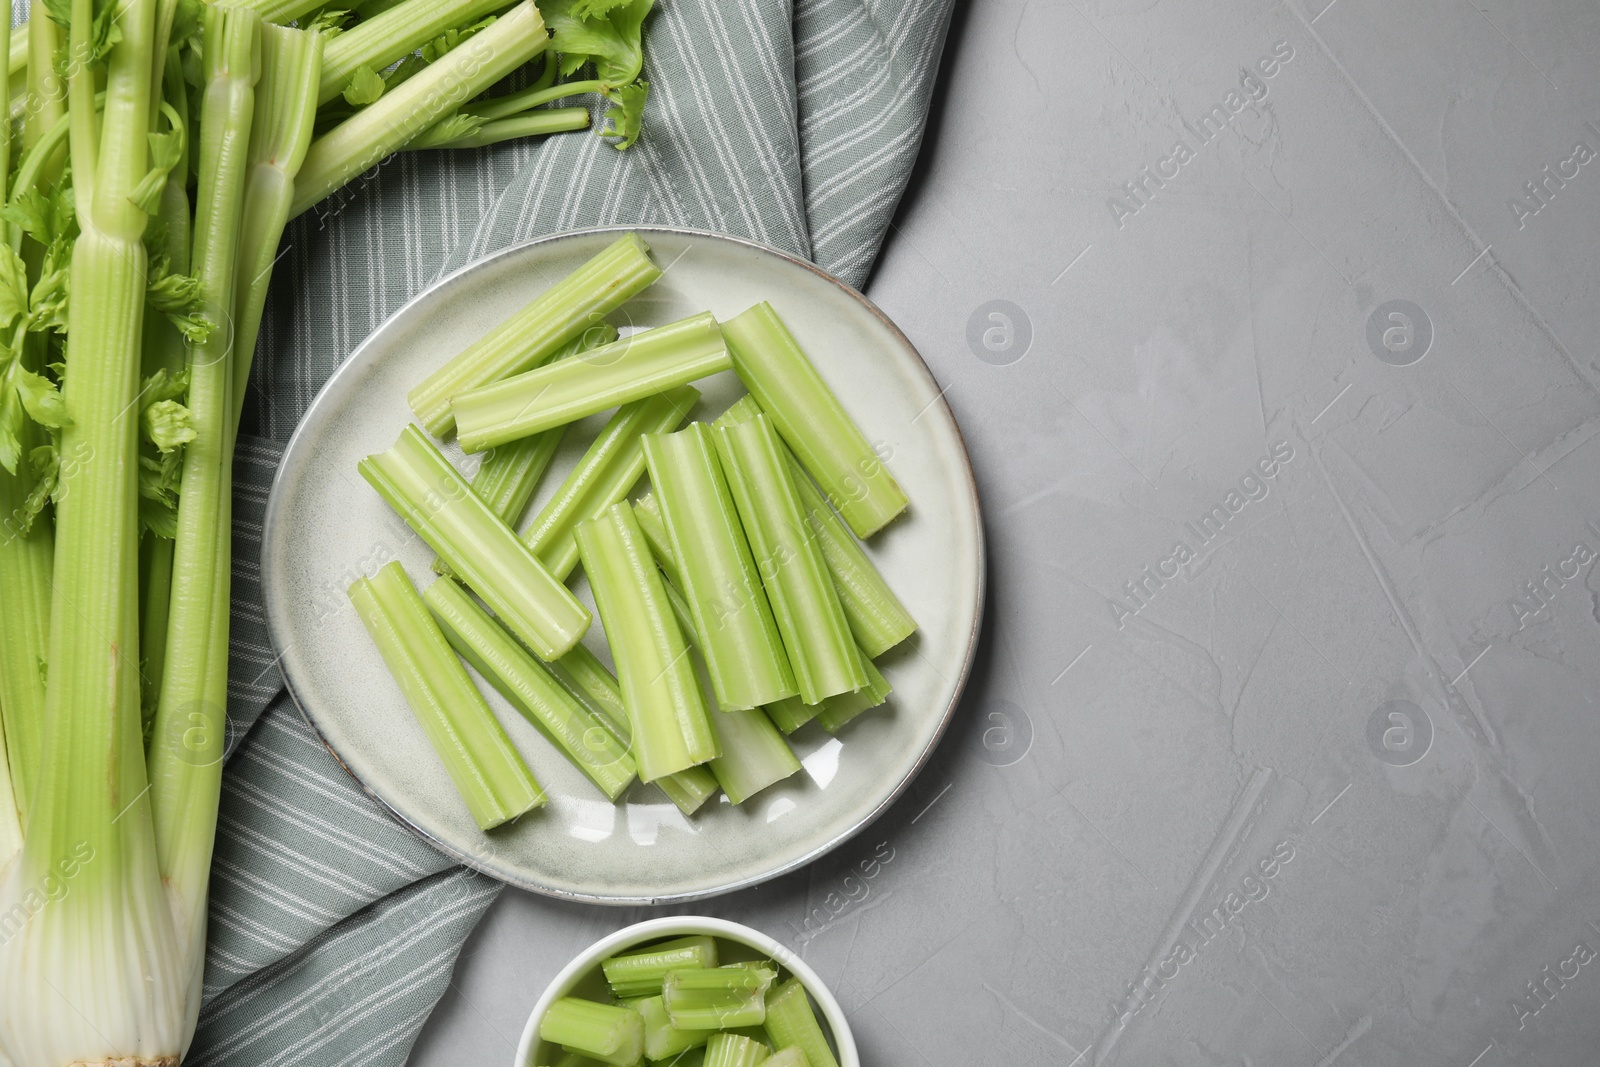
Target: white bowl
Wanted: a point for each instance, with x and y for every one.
(587, 967)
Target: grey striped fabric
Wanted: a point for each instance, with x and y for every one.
(333, 930)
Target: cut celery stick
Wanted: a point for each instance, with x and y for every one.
(734, 1050)
(790, 1021)
(639, 974)
(811, 420)
(661, 1038)
(508, 475)
(717, 997)
(533, 334)
(569, 1058)
(836, 711)
(792, 1056)
(666, 712)
(587, 679)
(822, 650)
(486, 769)
(433, 498)
(605, 1032)
(738, 638)
(631, 368)
(792, 713)
(754, 755)
(648, 511)
(606, 474)
(496, 655)
(877, 617)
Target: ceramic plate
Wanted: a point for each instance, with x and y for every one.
(325, 526)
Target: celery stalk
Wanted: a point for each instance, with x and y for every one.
(533, 124)
(666, 712)
(605, 475)
(404, 111)
(661, 1038)
(520, 678)
(647, 509)
(282, 11)
(792, 1056)
(630, 368)
(98, 973)
(190, 724)
(587, 679)
(717, 997)
(433, 498)
(377, 42)
(531, 336)
(753, 753)
(836, 711)
(639, 974)
(280, 135)
(738, 636)
(792, 713)
(821, 648)
(487, 771)
(606, 1032)
(508, 476)
(811, 420)
(734, 1050)
(791, 1022)
(25, 565)
(515, 103)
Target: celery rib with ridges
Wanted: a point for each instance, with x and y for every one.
(630, 368)
(640, 973)
(876, 615)
(606, 1032)
(754, 754)
(734, 1050)
(586, 678)
(791, 1022)
(535, 333)
(605, 475)
(717, 997)
(816, 634)
(406, 110)
(430, 494)
(661, 1039)
(377, 42)
(811, 419)
(520, 678)
(666, 712)
(487, 771)
(738, 636)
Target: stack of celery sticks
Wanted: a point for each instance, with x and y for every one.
(737, 602)
(154, 152)
(670, 1000)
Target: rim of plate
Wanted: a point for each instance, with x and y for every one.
(474, 862)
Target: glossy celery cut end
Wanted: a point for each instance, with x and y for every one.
(810, 418)
(754, 754)
(586, 678)
(605, 475)
(836, 711)
(630, 368)
(738, 636)
(877, 617)
(661, 1039)
(436, 502)
(822, 650)
(639, 974)
(535, 333)
(791, 1022)
(717, 998)
(734, 1050)
(605, 1032)
(666, 712)
(489, 774)
(521, 679)
(787, 1057)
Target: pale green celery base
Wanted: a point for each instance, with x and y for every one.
(490, 775)
(791, 1022)
(527, 339)
(811, 419)
(666, 712)
(738, 637)
(816, 634)
(631, 368)
(605, 475)
(495, 654)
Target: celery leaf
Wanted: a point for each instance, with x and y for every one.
(40, 397)
(10, 426)
(627, 112)
(13, 287)
(168, 425)
(365, 87)
(612, 41)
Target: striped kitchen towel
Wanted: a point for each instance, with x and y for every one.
(333, 930)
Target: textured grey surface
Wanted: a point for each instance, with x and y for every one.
(1323, 792)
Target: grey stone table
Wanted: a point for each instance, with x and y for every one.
(1272, 331)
